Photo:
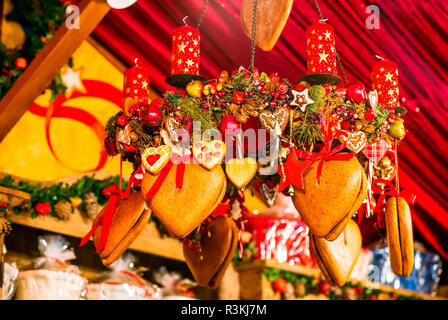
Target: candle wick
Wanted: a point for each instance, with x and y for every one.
(323, 20)
(379, 57)
(185, 21)
(136, 61)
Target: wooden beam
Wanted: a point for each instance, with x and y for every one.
(47, 64)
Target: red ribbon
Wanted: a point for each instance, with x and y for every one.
(389, 190)
(106, 218)
(326, 154)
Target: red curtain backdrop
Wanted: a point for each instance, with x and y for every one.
(412, 33)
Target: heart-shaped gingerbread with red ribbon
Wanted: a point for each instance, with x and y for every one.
(209, 153)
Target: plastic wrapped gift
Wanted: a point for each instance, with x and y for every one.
(122, 282)
(279, 234)
(51, 277)
(10, 274)
(424, 277)
(174, 287)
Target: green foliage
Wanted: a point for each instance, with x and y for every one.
(111, 125)
(318, 94)
(307, 134)
(239, 82)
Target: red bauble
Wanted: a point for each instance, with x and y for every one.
(279, 285)
(43, 208)
(238, 97)
(324, 288)
(20, 63)
(370, 115)
(121, 120)
(229, 125)
(153, 115)
(356, 91)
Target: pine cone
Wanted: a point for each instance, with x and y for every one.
(63, 210)
(91, 205)
(5, 226)
(110, 146)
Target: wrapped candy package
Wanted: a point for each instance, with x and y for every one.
(122, 282)
(10, 274)
(50, 277)
(424, 277)
(173, 286)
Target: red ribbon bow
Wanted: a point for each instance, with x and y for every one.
(389, 190)
(106, 218)
(326, 154)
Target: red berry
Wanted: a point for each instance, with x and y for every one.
(370, 115)
(20, 63)
(279, 285)
(43, 208)
(324, 287)
(121, 120)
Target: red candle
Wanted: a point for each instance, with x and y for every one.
(185, 51)
(321, 50)
(136, 84)
(385, 82)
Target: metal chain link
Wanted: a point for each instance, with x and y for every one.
(201, 16)
(253, 36)
(338, 60)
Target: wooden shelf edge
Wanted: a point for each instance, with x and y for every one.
(149, 241)
(257, 264)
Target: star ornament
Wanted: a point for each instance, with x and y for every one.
(72, 80)
(293, 169)
(301, 99)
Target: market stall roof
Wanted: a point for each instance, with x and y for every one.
(411, 33)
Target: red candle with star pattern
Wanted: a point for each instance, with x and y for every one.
(185, 51)
(136, 83)
(385, 82)
(321, 49)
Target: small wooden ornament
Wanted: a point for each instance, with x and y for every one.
(355, 141)
(155, 159)
(271, 19)
(209, 153)
(241, 171)
(275, 122)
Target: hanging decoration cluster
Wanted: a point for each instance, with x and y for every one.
(331, 146)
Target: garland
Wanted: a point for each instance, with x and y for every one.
(304, 285)
(39, 20)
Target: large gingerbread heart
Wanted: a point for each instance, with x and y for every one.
(209, 153)
(355, 141)
(181, 210)
(337, 258)
(271, 19)
(327, 206)
(209, 261)
(241, 171)
(155, 159)
(275, 122)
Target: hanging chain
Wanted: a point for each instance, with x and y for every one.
(253, 36)
(201, 16)
(338, 61)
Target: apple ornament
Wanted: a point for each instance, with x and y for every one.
(356, 91)
(154, 114)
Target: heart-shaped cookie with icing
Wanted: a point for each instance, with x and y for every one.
(337, 258)
(155, 159)
(327, 206)
(171, 125)
(355, 141)
(241, 171)
(273, 120)
(181, 210)
(209, 153)
(210, 259)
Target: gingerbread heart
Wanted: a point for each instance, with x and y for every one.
(275, 122)
(241, 171)
(211, 258)
(181, 210)
(337, 258)
(355, 141)
(326, 206)
(171, 125)
(270, 21)
(209, 153)
(268, 193)
(155, 159)
(375, 151)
